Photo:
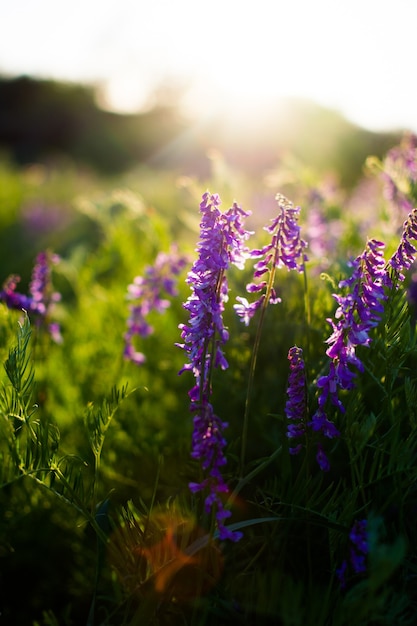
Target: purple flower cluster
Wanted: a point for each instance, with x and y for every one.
(358, 550)
(41, 298)
(296, 408)
(149, 293)
(358, 311)
(221, 243)
(15, 300)
(296, 405)
(40, 288)
(400, 173)
(404, 256)
(286, 249)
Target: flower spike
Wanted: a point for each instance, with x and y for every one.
(222, 237)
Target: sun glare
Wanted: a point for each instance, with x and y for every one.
(235, 101)
(234, 57)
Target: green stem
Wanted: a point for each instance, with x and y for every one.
(307, 312)
(97, 456)
(253, 362)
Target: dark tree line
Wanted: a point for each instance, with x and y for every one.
(43, 119)
(40, 119)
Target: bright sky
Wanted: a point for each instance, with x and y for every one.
(357, 56)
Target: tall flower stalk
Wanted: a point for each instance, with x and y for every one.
(285, 249)
(222, 237)
(296, 405)
(358, 311)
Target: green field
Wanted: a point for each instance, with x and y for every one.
(98, 524)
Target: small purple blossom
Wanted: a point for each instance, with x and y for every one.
(41, 298)
(12, 298)
(321, 458)
(222, 238)
(286, 249)
(358, 550)
(404, 256)
(148, 293)
(40, 288)
(43, 219)
(296, 405)
(43, 295)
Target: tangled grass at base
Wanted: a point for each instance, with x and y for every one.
(288, 497)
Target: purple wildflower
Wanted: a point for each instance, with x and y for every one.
(221, 243)
(285, 249)
(358, 312)
(296, 409)
(321, 458)
(404, 256)
(359, 539)
(12, 298)
(159, 280)
(40, 288)
(41, 298)
(359, 548)
(296, 405)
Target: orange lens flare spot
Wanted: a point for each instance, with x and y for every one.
(177, 558)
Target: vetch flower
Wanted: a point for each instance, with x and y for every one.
(221, 242)
(358, 550)
(296, 410)
(296, 405)
(286, 249)
(41, 298)
(43, 295)
(404, 256)
(40, 288)
(12, 298)
(322, 459)
(222, 237)
(148, 293)
(359, 310)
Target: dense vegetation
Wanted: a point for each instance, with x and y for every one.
(98, 523)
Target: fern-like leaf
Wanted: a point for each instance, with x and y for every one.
(97, 420)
